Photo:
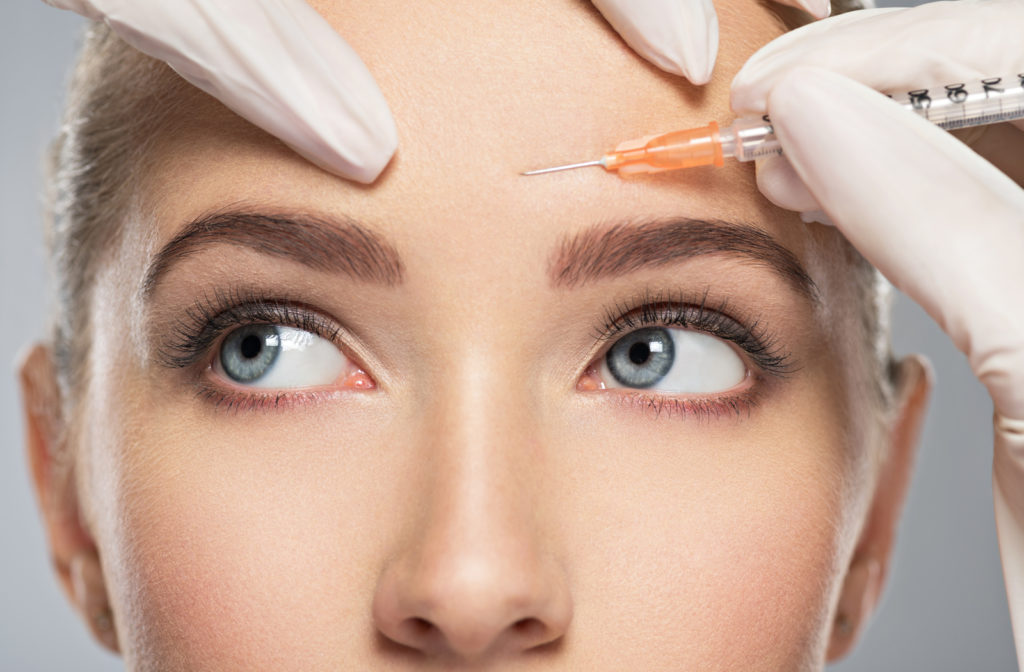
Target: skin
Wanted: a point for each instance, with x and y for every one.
(475, 500)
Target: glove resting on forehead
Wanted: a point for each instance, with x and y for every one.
(277, 63)
(679, 36)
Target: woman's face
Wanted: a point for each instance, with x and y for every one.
(557, 422)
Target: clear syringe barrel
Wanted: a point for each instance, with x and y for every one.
(951, 106)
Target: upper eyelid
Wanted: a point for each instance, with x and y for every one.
(199, 335)
(655, 314)
(754, 342)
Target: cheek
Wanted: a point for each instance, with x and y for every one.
(725, 539)
(247, 545)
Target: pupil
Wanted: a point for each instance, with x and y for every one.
(639, 353)
(251, 346)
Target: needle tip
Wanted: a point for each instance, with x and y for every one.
(570, 166)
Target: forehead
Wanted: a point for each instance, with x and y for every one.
(484, 90)
(481, 91)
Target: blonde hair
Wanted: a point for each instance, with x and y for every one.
(118, 100)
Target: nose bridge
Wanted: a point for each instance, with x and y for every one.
(477, 401)
(481, 491)
(479, 504)
(480, 401)
(475, 576)
(481, 415)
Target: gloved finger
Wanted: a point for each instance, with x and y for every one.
(81, 7)
(936, 219)
(819, 9)
(678, 36)
(277, 63)
(895, 49)
(781, 185)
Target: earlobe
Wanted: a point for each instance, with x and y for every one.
(75, 559)
(90, 595)
(861, 588)
(865, 577)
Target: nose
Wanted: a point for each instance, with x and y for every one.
(475, 578)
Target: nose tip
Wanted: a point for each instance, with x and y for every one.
(471, 610)
(473, 572)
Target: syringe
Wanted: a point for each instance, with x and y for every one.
(986, 101)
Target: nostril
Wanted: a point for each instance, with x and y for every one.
(529, 630)
(417, 633)
(420, 633)
(420, 626)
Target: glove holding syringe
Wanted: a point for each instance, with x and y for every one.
(952, 106)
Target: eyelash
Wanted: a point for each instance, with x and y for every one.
(211, 317)
(697, 313)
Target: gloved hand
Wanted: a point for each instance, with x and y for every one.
(936, 218)
(277, 63)
(679, 36)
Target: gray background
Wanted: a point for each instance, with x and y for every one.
(944, 609)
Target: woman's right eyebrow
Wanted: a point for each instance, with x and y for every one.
(330, 245)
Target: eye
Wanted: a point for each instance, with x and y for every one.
(679, 361)
(271, 356)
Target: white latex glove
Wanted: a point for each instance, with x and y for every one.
(679, 36)
(939, 221)
(277, 63)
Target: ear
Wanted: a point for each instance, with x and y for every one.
(73, 551)
(869, 565)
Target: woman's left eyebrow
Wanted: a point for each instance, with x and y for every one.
(331, 245)
(610, 250)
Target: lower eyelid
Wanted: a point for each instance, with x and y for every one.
(257, 400)
(222, 394)
(731, 406)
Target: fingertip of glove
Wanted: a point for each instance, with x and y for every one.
(681, 38)
(698, 73)
(689, 52)
(375, 168)
(819, 9)
(816, 217)
(696, 42)
(362, 161)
